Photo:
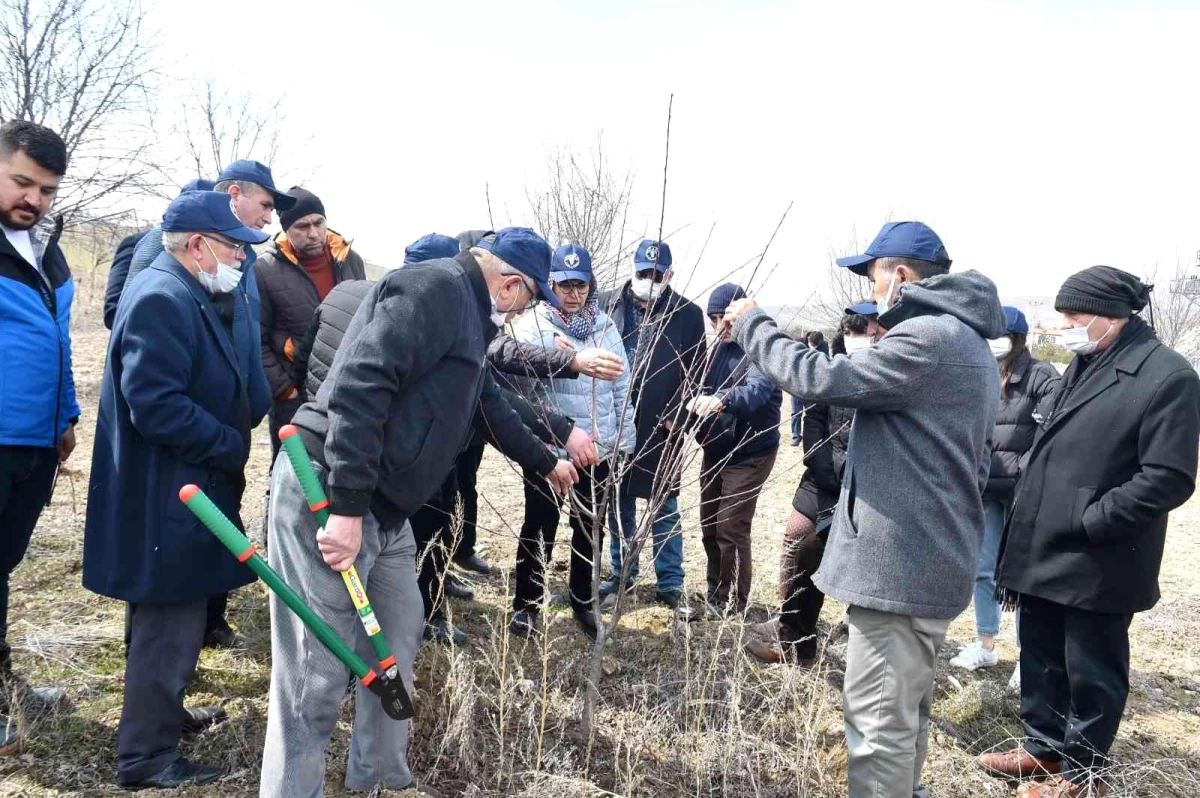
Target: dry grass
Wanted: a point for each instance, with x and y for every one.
(679, 714)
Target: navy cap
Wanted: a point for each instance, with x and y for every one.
(864, 308)
(900, 240)
(259, 174)
(1014, 321)
(571, 262)
(199, 184)
(652, 255)
(430, 247)
(208, 212)
(525, 251)
(722, 296)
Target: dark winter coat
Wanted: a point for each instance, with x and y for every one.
(494, 423)
(177, 403)
(665, 376)
(37, 383)
(289, 298)
(1115, 453)
(1029, 384)
(512, 358)
(749, 397)
(117, 272)
(403, 394)
(909, 520)
(825, 433)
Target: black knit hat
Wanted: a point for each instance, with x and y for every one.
(306, 203)
(1102, 291)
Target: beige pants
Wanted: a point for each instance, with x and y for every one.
(890, 662)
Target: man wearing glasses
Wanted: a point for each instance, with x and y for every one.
(183, 386)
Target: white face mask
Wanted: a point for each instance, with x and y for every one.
(645, 289)
(856, 344)
(1076, 338)
(225, 280)
(885, 304)
(499, 316)
(1000, 346)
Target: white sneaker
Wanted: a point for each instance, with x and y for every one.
(1014, 681)
(975, 656)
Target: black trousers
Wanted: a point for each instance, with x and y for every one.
(26, 476)
(164, 646)
(539, 530)
(431, 526)
(467, 466)
(1074, 682)
(281, 414)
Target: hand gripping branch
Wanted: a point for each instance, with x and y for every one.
(396, 702)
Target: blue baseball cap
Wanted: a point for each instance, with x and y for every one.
(652, 255)
(259, 174)
(864, 308)
(430, 247)
(571, 262)
(900, 240)
(208, 212)
(525, 251)
(1014, 321)
(199, 184)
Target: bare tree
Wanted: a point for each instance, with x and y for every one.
(85, 69)
(1176, 311)
(583, 201)
(219, 126)
(843, 288)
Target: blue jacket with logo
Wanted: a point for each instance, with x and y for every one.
(37, 388)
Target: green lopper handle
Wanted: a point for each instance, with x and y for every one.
(246, 552)
(319, 505)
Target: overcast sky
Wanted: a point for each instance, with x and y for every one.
(1037, 139)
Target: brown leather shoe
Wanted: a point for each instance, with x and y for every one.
(1058, 787)
(765, 650)
(1017, 765)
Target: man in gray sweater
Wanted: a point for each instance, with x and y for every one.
(907, 529)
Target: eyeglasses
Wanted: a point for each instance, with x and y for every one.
(221, 240)
(573, 287)
(652, 274)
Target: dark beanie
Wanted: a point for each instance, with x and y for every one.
(306, 203)
(1102, 291)
(722, 295)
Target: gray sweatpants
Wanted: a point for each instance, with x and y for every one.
(890, 661)
(308, 682)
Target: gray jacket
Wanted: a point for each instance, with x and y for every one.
(909, 520)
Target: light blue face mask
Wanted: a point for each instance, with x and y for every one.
(225, 280)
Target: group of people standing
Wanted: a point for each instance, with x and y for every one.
(942, 463)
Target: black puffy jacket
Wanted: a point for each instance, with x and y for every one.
(1031, 381)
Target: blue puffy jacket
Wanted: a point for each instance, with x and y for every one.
(37, 388)
(598, 407)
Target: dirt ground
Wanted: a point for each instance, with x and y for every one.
(679, 714)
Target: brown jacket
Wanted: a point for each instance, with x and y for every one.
(289, 300)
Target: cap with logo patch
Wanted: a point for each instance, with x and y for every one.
(652, 255)
(571, 262)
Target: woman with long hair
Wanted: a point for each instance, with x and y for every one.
(600, 408)
(1024, 383)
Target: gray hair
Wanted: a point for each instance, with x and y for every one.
(176, 241)
(245, 186)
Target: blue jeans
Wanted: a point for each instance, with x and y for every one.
(987, 611)
(667, 541)
(797, 419)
